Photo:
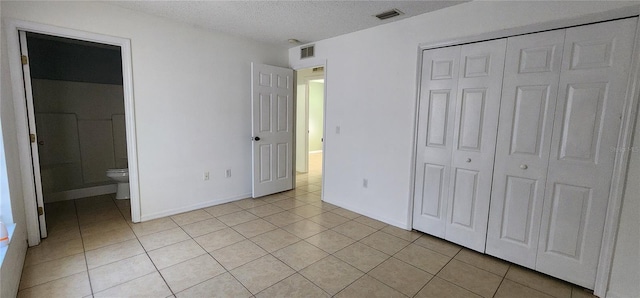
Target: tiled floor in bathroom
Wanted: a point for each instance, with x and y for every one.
(285, 245)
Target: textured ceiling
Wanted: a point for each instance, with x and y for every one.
(277, 21)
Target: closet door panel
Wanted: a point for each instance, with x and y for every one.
(532, 72)
(476, 120)
(591, 96)
(435, 138)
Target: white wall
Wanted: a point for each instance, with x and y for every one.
(371, 95)
(316, 110)
(191, 95)
(14, 259)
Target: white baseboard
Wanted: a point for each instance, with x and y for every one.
(80, 193)
(146, 217)
(402, 225)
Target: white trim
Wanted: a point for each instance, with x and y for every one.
(315, 151)
(17, 81)
(619, 13)
(621, 164)
(402, 225)
(315, 62)
(80, 193)
(195, 207)
(625, 137)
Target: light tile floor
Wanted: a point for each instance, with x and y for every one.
(285, 245)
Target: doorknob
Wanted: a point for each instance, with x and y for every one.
(468, 159)
(524, 167)
(256, 138)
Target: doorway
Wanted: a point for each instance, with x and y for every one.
(26, 122)
(310, 102)
(78, 110)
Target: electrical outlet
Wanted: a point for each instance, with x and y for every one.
(227, 173)
(205, 176)
(365, 183)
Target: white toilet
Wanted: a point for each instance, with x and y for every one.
(122, 177)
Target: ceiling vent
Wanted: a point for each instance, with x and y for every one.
(306, 52)
(389, 14)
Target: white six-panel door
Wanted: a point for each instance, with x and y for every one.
(474, 141)
(529, 92)
(272, 129)
(593, 82)
(435, 139)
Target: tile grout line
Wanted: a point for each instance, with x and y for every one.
(84, 252)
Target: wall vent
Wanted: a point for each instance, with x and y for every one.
(389, 14)
(306, 52)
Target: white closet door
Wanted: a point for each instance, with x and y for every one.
(593, 84)
(529, 92)
(474, 141)
(435, 138)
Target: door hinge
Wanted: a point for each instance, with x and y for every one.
(40, 211)
(24, 60)
(32, 137)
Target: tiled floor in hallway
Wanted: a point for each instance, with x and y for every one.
(285, 245)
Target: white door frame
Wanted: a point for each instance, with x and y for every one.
(625, 137)
(311, 63)
(308, 80)
(22, 128)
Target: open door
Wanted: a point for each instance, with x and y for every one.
(26, 72)
(272, 129)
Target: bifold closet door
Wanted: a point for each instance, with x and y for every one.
(474, 141)
(435, 138)
(591, 97)
(529, 92)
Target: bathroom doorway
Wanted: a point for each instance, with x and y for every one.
(78, 108)
(76, 93)
(310, 102)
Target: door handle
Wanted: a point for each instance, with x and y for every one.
(524, 167)
(256, 138)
